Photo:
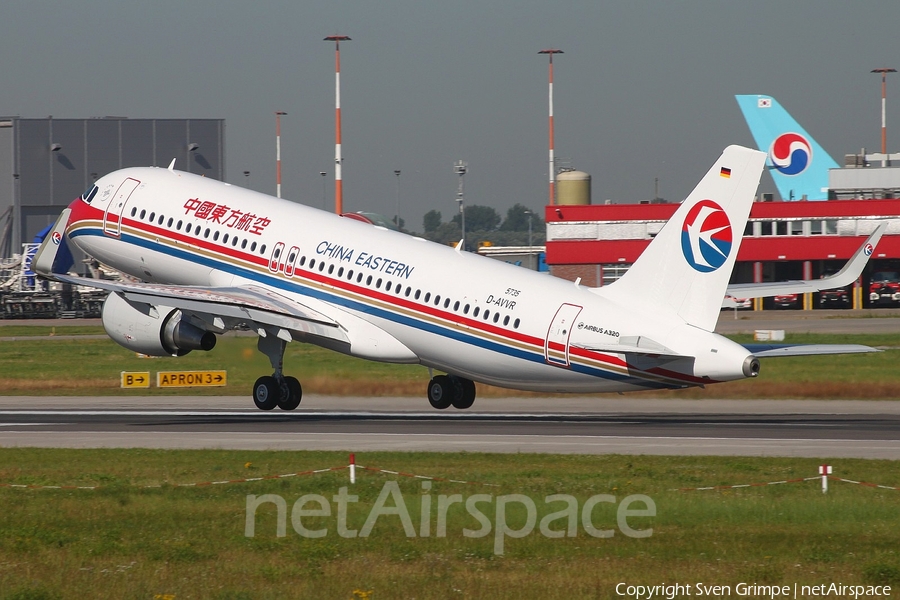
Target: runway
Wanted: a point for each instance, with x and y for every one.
(591, 425)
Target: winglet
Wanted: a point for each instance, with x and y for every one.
(847, 275)
(45, 257)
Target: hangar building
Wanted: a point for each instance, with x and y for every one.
(46, 163)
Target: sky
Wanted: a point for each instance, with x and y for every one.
(644, 90)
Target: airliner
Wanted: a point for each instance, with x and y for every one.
(798, 164)
(212, 258)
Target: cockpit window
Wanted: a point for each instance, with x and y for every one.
(89, 194)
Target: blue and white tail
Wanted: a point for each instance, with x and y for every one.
(685, 269)
(799, 165)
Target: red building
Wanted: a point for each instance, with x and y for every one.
(782, 240)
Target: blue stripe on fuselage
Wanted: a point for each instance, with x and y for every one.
(299, 288)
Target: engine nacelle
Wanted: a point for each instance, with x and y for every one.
(152, 330)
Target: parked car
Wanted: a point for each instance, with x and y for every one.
(836, 298)
(884, 288)
(739, 303)
(787, 301)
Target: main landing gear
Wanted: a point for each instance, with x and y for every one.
(276, 389)
(449, 390)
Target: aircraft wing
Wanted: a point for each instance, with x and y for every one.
(773, 350)
(226, 308)
(845, 276)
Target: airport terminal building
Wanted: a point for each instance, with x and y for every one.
(46, 163)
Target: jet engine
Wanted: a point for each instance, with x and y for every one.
(152, 330)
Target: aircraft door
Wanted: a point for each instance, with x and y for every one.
(556, 345)
(112, 218)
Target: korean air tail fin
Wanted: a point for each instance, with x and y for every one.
(685, 269)
(798, 164)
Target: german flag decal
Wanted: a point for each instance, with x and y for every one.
(725, 172)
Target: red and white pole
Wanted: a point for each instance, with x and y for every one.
(552, 167)
(338, 159)
(824, 471)
(278, 152)
(352, 468)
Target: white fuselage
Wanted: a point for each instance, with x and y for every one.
(454, 311)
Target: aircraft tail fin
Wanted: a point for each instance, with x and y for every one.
(686, 268)
(798, 164)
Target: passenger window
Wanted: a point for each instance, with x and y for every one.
(387, 286)
(427, 296)
(152, 217)
(446, 302)
(466, 309)
(378, 283)
(369, 280)
(206, 233)
(225, 240)
(143, 214)
(418, 292)
(262, 250)
(133, 211)
(516, 324)
(506, 320)
(456, 306)
(169, 224)
(302, 260)
(496, 317)
(243, 244)
(161, 219)
(330, 269)
(216, 237)
(437, 300)
(476, 311)
(253, 247)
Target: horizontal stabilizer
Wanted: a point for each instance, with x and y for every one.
(850, 273)
(638, 345)
(772, 350)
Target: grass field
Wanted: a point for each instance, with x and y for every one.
(37, 366)
(125, 541)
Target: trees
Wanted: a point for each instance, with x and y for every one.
(483, 224)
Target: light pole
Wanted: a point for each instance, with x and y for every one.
(338, 158)
(530, 253)
(324, 184)
(460, 167)
(530, 214)
(278, 115)
(884, 73)
(551, 52)
(397, 212)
